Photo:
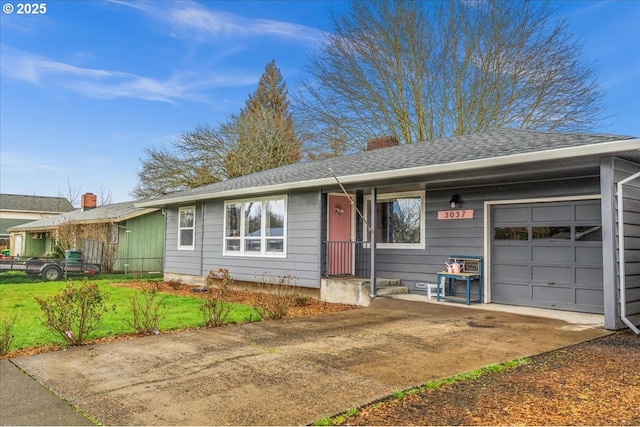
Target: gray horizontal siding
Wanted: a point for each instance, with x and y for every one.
(623, 169)
(303, 237)
(183, 261)
(465, 237)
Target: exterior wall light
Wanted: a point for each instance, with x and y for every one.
(455, 201)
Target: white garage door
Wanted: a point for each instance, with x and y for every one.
(548, 255)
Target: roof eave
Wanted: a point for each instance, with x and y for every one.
(114, 219)
(611, 147)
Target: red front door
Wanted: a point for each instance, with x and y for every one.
(340, 248)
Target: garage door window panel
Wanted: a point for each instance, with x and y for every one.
(551, 233)
(589, 233)
(511, 233)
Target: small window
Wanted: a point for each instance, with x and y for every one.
(186, 228)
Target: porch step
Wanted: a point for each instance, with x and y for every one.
(391, 290)
(383, 283)
(389, 287)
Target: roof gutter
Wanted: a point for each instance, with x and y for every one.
(513, 159)
(621, 257)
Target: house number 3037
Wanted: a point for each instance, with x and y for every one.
(456, 214)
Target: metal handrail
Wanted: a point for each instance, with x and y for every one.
(350, 258)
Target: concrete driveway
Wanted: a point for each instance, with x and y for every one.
(291, 372)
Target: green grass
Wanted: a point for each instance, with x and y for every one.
(19, 301)
(20, 277)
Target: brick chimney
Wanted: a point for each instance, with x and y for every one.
(382, 142)
(89, 201)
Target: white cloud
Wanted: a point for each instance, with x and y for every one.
(190, 19)
(109, 84)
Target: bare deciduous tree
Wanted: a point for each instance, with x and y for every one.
(72, 194)
(196, 160)
(104, 195)
(424, 70)
(261, 137)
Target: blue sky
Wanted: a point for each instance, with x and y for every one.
(88, 85)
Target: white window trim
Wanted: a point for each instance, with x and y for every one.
(389, 196)
(191, 247)
(263, 253)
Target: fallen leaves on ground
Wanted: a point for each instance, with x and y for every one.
(592, 383)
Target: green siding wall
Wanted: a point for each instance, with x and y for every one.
(141, 243)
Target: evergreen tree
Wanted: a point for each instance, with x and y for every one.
(265, 132)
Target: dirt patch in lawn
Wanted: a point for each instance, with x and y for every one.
(592, 383)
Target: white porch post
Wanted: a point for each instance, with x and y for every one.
(372, 241)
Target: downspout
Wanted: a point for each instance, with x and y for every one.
(621, 258)
(372, 240)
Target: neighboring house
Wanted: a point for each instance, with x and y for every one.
(539, 207)
(121, 236)
(17, 209)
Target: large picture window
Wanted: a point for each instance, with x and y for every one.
(186, 228)
(399, 219)
(255, 227)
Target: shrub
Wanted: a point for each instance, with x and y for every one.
(214, 307)
(75, 312)
(6, 335)
(147, 312)
(275, 299)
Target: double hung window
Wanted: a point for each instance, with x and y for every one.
(186, 228)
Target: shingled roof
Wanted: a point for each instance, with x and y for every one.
(466, 151)
(116, 212)
(33, 203)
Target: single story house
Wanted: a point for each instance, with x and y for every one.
(554, 216)
(17, 209)
(120, 236)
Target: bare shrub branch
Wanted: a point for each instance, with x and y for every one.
(275, 299)
(146, 312)
(75, 312)
(214, 306)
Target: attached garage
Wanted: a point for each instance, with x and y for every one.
(548, 255)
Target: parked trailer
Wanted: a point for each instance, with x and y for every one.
(49, 269)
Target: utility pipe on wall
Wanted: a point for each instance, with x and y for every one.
(621, 258)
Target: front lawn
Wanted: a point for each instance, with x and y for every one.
(19, 301)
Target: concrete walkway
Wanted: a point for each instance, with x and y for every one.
(290, 372)
(24, 402)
